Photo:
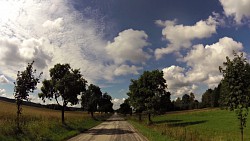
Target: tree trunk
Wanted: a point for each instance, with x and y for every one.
(92, 114)
(19, 108)
(149, 118)
(63, 109)
(139, 116)
(241, 134)
(241, 127)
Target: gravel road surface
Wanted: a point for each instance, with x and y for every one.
(114, 129)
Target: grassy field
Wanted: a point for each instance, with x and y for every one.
(40, 124)
(207, 125)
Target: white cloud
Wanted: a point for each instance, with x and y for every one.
(180, 36)
(3, 92)
(3, 79)
(51, 32)
(125, 69)
(202, 66)
(117, 102)
(128, 46)
(239, 9)
(54, 25)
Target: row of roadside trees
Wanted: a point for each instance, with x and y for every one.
(148, 93)
(65, 86)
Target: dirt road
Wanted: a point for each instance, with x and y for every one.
(114, 129)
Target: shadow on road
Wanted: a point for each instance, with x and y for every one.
(108, 131)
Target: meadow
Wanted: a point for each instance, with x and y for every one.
(39, 124)
(201, 125)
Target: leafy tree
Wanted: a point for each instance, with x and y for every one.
(206, 98)
(236, 75)
(26, 82)
(185, 101)
(91, 98)
(147, 91)
(192, 99)
(136, 98)
(177, 104)
(164, 103)
(125, 108)
(65, 83)
(105, 104)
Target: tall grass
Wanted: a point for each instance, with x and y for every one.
(39, 124)
(209, 125)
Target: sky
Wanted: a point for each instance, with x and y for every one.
(114, 41)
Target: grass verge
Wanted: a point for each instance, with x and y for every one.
(207, 125)
(38, 124)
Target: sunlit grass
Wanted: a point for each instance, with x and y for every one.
(209, 125)
(42, 124)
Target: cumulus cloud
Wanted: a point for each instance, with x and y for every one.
(3, 79)
(180, 36)
(2, 92)
(202, 66)
(51, 32)
(128, 46)
(239, 9)
(117, 102)
(126, 69)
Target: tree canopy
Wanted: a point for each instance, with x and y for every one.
(145, 92)
(65, 83)
(26, 82)
(236, 75)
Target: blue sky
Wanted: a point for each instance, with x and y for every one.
(113, 41)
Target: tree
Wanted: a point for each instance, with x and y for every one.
(125, 108)
(164, 104)
(26, 82)
(65, 83)
(91, 98)
(105, 104)
(177, 103)
(185, 101)
(237, 78)
(147, 91)
(136, 98)
(206, 98)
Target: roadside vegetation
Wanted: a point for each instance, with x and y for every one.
(148, 95)
(196, 125)
(39, 124)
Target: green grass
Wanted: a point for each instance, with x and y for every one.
(40, 124)
(207, 125)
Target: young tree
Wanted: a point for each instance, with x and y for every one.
(26, 82)
(65, 83)
(236, 75)
(91, 98)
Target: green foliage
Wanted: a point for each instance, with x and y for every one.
(125, 108)
(91, 98)
(145, 92)
(26, 82)
(65, 83)
(237, 77)
(105, 103)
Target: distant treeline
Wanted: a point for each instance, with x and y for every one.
(49, 106)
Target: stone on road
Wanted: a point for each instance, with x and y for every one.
(114, 129)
